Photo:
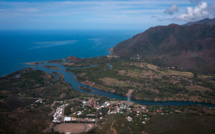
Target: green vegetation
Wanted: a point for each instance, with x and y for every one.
(24, 121)
(85, 89)
(19, 113)
(75, 105)
(148, 81)
(18, 91)
(181, 123)
(22, 82)
(52, 67)
(36, 83)
(116, 123)
(159, 120)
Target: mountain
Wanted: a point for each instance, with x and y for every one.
(202, 22)
(189, 47)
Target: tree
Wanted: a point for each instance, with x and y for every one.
(195, 75)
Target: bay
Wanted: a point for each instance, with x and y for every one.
(19, 47)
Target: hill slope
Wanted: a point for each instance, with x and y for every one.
(190, 47)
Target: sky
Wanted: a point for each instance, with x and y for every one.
(100, 14)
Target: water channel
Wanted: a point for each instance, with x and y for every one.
(70, 78)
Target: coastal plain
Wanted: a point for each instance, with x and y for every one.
(149, 82)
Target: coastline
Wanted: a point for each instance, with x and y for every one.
(41, 62)
(34, 63)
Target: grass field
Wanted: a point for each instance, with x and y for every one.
(115, 82)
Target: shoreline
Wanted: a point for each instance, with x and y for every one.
(40, 62)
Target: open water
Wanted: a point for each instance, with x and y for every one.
(19, 47)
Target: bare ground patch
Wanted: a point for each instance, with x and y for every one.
(198, 88)
(114, 82)
(112, 129)
(140, 73)
(177, 73)
(152, 67)
(73, 127)
(68, 64)
(152, 90)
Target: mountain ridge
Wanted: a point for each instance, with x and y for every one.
(206, 21)
(188, 47)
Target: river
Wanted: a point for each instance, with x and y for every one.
(70, 78)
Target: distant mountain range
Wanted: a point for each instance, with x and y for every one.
(203, 22)
(188, 47)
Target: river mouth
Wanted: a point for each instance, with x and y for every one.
(70, 78)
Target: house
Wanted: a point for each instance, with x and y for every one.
(91, 115)
(159, 111)
(118, 110)
(129, 118)
(39, 100)
(97, 107)
(56, 121)
(67, 119)
(106, 104)
(79, 113)
(122, 106)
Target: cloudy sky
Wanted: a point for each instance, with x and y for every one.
(101, 14)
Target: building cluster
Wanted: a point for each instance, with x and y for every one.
(86, 115)
(117, 107)
(78, 120)
(59, 115)
(91, 103)
(38, 102)
(121, 107)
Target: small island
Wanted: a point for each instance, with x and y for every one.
(85, 89)
(35, 63)
(52, 67)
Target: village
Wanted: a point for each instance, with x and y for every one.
(91, 111)
(83, 114)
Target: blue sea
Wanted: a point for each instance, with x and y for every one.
(19, 47)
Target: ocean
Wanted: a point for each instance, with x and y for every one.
(19, 47)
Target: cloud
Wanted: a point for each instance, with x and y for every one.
(27, 10)
(86, 14)
(171, 10)
(195, 1)
(196, 13)
(212, 10)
